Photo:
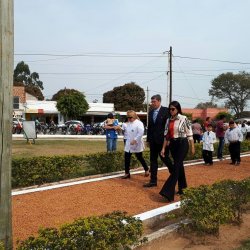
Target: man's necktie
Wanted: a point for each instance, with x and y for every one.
(155, 115)
(207, 133)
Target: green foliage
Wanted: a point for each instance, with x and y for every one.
(234, 88)
(189, 116)
(31, 81)
(108, 232)
(62, 92)
(245, 245)
(44, 169)
(226, 114)
(126, 97)
(210, 206)
(72, 104)
(107, 162)
(1, 245)
(205, 105)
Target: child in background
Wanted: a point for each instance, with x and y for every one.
(110, 122)
(209, 138)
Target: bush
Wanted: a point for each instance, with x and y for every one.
(107, 232)
(1, 245)
(45, 169)
(210, 206)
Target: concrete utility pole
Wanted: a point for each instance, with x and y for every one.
(6, 108)
(170, 74)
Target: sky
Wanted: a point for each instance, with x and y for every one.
(94, 46)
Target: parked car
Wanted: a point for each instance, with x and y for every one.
(72, 127)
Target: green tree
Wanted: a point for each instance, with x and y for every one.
(234, 88)
(227, 115)
(128, 96)
(205, 105)
(72, 104)
(63, 92)
(22, 74)
(31, 81)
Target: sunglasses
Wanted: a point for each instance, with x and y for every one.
(172, 109)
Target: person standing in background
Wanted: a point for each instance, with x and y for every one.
(134, 143)
(197, 131)
(220, 133)
(234, 137)
(157, 118)
(111, 126)
(209, 138)
(179, 136)
(208, 121)
(244, 130)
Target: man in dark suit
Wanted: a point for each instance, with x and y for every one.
(155, 136)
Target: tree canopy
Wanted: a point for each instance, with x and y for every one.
(72, 104)
(234, 88)
(63, 92)
(128, 96)
(205, 105)
(31, 81)
(22, 74)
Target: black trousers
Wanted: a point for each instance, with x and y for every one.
(179, 149)
(234, 150)
(207, 156)
(155, 152)
(139, 157)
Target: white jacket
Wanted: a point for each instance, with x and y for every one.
(209, 140)
(135, 131)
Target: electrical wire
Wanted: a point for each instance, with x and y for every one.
(212, 60)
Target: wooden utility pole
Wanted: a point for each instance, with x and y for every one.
(170, 74)
(6, 108)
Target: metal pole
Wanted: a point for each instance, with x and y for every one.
(170, 74)
(6, 109)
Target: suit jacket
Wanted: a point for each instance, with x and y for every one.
(155, 133)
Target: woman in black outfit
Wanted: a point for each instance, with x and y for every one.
(179, 136)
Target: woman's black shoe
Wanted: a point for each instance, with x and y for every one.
(165, 196)
(126, 176)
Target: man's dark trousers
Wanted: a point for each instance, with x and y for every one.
(155, 150)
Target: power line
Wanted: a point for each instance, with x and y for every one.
(95, 54)
(99, 73)
(155, 54)
(212, 60)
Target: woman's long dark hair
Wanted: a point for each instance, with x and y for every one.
(176, 105)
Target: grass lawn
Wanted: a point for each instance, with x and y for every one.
(59, 147)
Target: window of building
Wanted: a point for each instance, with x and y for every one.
(16, 102)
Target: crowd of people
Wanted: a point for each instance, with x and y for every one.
(171, 132)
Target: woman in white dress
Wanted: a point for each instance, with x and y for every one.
(134, 143)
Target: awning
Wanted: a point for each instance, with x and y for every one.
(41, 107)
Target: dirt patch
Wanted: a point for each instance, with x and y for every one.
(229, 238)
(55, 207)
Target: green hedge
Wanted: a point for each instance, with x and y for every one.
(108, 232)
(45, 169)
(210, 206)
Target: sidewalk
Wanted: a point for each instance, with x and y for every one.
(52, 208)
